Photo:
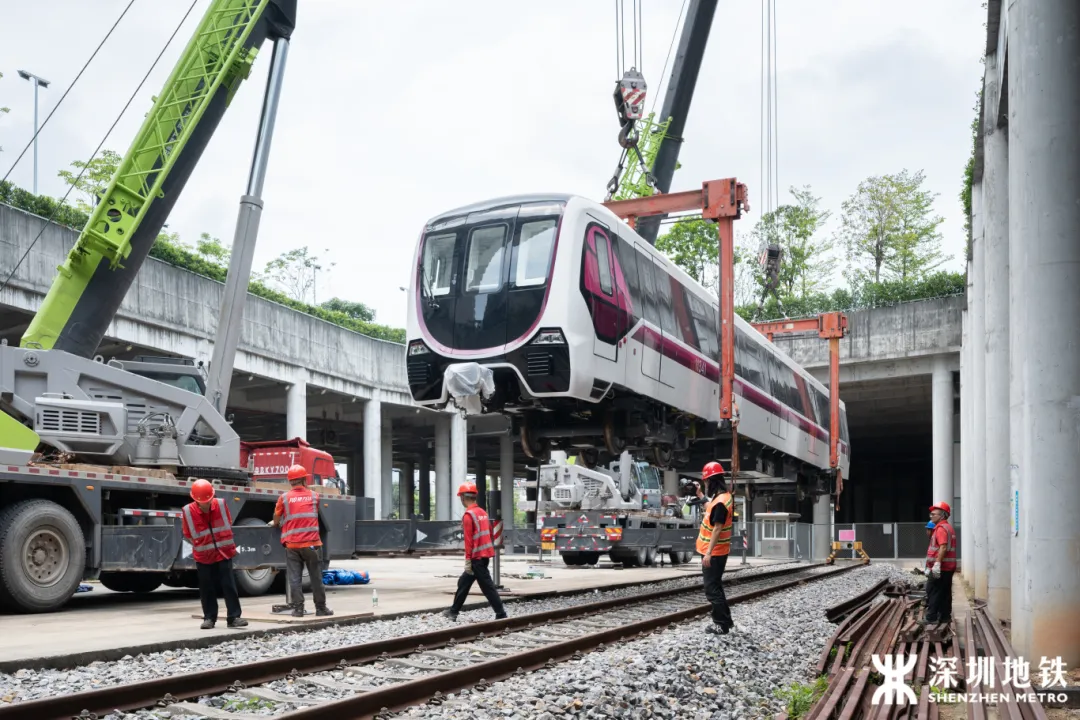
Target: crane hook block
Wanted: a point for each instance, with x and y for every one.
(630, 96)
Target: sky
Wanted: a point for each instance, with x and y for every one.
(394, 112)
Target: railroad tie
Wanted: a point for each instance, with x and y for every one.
(261, 693)
(372, 672)
(207, 711)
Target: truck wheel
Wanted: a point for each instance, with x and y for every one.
(572, 559)
(253, 583)
(591, 558)
(135, 582)
(675, 557)
(687, 556)
(650, 557)
(42, 556)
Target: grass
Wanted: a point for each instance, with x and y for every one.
(800, 697)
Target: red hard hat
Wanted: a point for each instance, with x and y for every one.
(466, 489)
(202, 491)
(710, 469)
(943, 507)
(297, 472)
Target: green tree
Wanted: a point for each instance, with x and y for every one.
(888, 229)
(296, 273)
(969, 171)
(805, 265)
(96, 178)
(212, 249)
(355, 310)
(693, 245)
(3, 110)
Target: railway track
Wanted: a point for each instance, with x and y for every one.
(367, 680)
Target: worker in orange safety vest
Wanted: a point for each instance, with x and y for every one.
(714, 544)
(479, 549)
(206, 523)
(941, 565)
(297, 513)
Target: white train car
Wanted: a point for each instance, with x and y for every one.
(599, 343)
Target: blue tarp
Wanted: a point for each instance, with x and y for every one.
(336, 576)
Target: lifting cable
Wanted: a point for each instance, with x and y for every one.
(770, 251)
(55, 107)
(63, 200)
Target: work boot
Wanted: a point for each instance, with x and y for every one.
(298, 611)
(717, 630)
(323, 611)
(238, 623)
(500, 616)
(449, 614)
(207, 625)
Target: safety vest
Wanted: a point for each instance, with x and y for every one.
(210, 533)
(301, 516)
(723, 543)
(479, 545)
(949, 561)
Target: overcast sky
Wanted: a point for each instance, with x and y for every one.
(393, 112)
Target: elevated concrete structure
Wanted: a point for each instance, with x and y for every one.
(1024, 378)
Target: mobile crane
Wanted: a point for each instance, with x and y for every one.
(133, 434)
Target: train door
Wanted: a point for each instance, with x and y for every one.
(601, 292)
(651, 331)
(481, 314)
(778, 385)
(439, 263)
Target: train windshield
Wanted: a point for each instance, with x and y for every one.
(648, 477)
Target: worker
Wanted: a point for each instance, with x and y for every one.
(929, 529)
(479, 549)
(940, 564)
(714, 544)
(297, 513)
(206, 523)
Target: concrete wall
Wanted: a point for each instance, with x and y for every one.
(909, 330)
(172, 308)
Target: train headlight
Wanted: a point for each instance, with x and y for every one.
(549, 337)
(417, 347)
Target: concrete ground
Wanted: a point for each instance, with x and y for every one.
(102, 624)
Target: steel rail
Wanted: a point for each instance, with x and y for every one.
(134, 696)
(399, 696)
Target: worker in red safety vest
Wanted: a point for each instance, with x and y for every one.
(207, 524)
(940, 565)
(714, 544)
(479, 549)
(297, 513)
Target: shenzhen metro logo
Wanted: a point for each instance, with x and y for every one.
(980, 682)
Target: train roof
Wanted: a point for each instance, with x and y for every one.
(497, 203)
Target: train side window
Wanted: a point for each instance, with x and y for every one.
(684, 314)
(823, 408)
(648, 290)
(627, 258)
(843, 426)
(755, 373)
(740, 355)
(805, 406)
(706, 334)
(603, 261)
(483, 274)
(438, 263)
(663, 293)
(532, 253)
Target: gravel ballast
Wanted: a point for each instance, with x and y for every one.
(682, 672)
(29, 684)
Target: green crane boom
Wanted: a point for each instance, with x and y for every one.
(102, 265)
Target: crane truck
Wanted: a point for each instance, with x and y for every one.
(620, 511)
(96, 455)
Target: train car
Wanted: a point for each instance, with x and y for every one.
(598, 343)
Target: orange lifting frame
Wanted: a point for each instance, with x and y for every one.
(829, 326)
(724, 202)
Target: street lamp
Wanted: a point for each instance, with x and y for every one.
(38, 82)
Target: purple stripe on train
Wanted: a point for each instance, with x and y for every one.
(672, 350)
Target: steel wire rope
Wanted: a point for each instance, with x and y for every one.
(49, 220)
(61, 100)
(671, 46)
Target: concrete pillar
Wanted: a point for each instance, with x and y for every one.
(977, 506)
(967, 553)
(459, 459)
(373, 453)
(957, 499)
(296, 410)
(671, 483)
(481, 482)
(424, 481)
(442, 468)
(995, 292)
(387, 472)
(1044, 52)
(506, 480)
(406, 487)
(942, 404)
(822, 526)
